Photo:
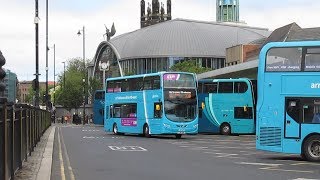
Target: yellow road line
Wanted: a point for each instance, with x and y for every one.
(63, 176)
(67, 158)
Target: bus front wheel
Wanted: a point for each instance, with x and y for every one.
(225, 129)
(311, 148)
(115, 129)
(146, 131)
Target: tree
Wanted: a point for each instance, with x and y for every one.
(189, 66)
(71, 93)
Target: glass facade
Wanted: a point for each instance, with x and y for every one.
(149, 65)
(152, 65)
(11, 86)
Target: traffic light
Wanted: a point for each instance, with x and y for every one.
(2, 72)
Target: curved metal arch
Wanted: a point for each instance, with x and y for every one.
(101, 46)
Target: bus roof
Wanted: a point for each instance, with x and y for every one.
(224, 80)
(288, 44)
(146, 75)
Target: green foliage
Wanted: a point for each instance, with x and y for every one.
(70, 94)
(189, 66)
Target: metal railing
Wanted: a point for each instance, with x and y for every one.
(21, 127)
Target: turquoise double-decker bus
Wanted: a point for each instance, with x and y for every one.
(288, 107)
(226, 106)
(98, 107)
(152, 104)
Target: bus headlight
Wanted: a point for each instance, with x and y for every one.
(195, 126)
(166, 125)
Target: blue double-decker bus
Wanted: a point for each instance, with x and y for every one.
(152, 104)
(288, 107)
(98, 107)
(226, 106)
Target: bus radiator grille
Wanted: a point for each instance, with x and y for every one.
(270, 136)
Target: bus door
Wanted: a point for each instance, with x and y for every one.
(292, 116)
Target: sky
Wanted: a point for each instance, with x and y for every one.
(66, 17)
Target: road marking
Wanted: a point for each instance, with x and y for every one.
(305, 163)
(225, 155)
(258, 164)
(90, 130)
(67, 157)
(88, 137)
(127, 148)
(199, 148)
(304, 179)
(63, 176)
(285, 170)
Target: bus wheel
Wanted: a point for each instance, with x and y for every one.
(178, 136)
(225, 129)
(311, 148)
(146, 131)
(115, 129)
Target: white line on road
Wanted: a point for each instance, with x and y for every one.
(258, 164)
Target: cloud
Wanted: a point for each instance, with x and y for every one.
(17, 33)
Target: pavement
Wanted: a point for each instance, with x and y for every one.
(38, 165)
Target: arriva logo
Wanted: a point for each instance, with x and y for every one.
(315, 85)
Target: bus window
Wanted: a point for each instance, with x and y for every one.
(116, 112)
(156, 82)
(243, 112)
(110, 86)
(99, 95)
(134, 85)
(312, 57)
(210, 87)
(147, 83)
(200, 86)
(125, 110)
(225, 87)
(111, 111)
(284, 59)
(240, 87)
(293, 110)
(124, 85)
(117, 86)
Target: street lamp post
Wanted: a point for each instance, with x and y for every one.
(64, 74)
(54, 74)
(84, 67)
(47, 68)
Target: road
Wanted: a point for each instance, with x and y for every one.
(89, 153)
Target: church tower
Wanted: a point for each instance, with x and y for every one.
(227, 11)
(155, 13)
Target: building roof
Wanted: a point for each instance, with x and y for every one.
(306, 34)
(184, 38)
